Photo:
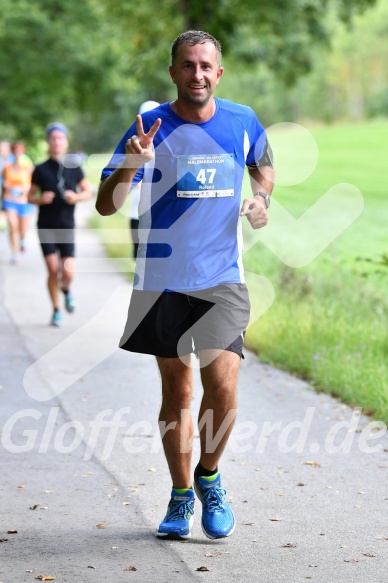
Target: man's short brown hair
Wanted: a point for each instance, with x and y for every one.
(195, 37)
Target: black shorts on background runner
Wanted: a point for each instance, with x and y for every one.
(61, 240)
(172, 324)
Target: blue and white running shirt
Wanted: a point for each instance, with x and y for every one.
(190, 229)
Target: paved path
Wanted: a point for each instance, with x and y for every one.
(55, 385)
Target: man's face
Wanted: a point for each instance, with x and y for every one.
(57, 142)
(196, 73)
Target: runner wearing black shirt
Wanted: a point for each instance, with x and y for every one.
(56, 188)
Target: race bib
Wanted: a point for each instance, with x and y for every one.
(205, 176)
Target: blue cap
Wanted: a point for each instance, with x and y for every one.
(56, 125)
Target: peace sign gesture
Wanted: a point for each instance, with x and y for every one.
(139, 147)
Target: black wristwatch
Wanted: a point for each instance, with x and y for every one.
(265, 196)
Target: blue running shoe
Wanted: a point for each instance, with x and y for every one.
(217, 516)
(57, 320)
(180, 516)
(69, 302)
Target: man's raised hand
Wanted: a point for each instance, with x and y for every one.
(139, 148)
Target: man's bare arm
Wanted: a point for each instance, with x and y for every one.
(113, 191)
(255, 209)
(262, 179)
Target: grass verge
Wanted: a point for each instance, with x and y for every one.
(328, 322)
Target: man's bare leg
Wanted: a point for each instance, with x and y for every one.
(177, 391)
(216, 419)
(219, 379)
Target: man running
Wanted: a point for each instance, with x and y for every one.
(56, 188)
(189, 292)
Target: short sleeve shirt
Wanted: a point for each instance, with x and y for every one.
(190, 230)
(54, 177)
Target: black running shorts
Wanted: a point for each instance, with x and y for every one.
(172, 324)
(53, 240)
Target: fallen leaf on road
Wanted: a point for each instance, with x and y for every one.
(91, 567)
(248, 523)
(12, 531)
(312, 463)
(355, 560)
(3, 540)
(300, 484)
(203, 568)
(101, 525)
(369, 555)
(34, 507)
(45, 578)
(276, 519)
(289, 546)
(22, 486)
(130, 568)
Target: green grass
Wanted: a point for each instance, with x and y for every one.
(117, 248)
(329, 320)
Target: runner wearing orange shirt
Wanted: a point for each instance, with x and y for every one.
(16, 184)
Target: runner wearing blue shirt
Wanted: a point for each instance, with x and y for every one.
(189, 289)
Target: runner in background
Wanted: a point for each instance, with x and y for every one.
(56, 188)
(6, 157)
(16, 184)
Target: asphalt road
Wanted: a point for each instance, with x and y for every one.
(307, 477)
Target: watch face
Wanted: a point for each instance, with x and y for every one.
(266, 198)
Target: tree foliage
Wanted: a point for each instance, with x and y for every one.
(52, 55)
(95, 60)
